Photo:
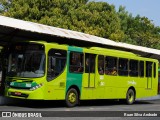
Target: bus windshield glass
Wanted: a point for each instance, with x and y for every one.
(26, 60)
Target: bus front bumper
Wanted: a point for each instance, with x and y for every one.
(25, 94)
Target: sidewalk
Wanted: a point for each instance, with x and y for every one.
(150, 98)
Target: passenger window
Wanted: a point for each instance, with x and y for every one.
(141, 68)
(111, 66)
(154, 70)
(133, 68)
(149, 69)
(56, 63)
(76, 62)
(123, 67)
(101, 64)
(90, 63)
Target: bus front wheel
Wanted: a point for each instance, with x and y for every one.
(130, 97)
(72, 98)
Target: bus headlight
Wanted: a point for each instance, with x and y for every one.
(36, 87)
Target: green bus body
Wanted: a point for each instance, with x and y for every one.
(87, 85)
(158, 80)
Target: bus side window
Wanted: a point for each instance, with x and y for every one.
(56, 63)
(111, 66)
(123, 67)
(158, 77)
(141, 68)
(154, 72)
(133, 68)
(149, 69)
(101, 64)
(76, 62)
(90, 63)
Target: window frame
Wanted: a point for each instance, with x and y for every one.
(81, 60)
(154, 69)
(51, 79)
(108, 70)
(147, 70)
(139, 69)
(90, 63)
(121, 70)
(102, 65)
(132, 71)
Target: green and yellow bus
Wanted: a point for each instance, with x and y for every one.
(158, 80)
(51, 71)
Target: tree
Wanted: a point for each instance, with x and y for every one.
(4, 5)
(139, 30)
(99, 19)
(96, 18)
(89, 17)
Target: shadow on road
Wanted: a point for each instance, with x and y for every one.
(59, 104)
(110, 102)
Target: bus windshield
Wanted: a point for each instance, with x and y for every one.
(26, 63)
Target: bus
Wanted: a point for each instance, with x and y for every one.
(159, 80)
(39, 70)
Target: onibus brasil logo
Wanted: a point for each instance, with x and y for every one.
(21, 114)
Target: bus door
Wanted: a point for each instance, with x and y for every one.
(149, 71)
(89, 70)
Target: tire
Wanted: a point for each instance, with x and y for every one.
(130, 97)
(72, 98)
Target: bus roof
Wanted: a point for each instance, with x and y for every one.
(24, 30)
(113, 51)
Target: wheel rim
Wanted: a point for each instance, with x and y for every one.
(72, 97)
(130, 97)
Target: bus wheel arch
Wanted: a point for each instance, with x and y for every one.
(130, 95)
(72, 96)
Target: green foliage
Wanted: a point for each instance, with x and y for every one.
(139, 30)
(4, 5)
(96, 18)
(99, 19)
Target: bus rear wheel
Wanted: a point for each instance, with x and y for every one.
(130, 97)
(72, 98)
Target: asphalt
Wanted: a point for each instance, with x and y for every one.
(4, 100)
(150, 98)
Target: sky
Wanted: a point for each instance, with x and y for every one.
(147, 8)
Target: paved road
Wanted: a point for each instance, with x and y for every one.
(99, 105)
(91, 108)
